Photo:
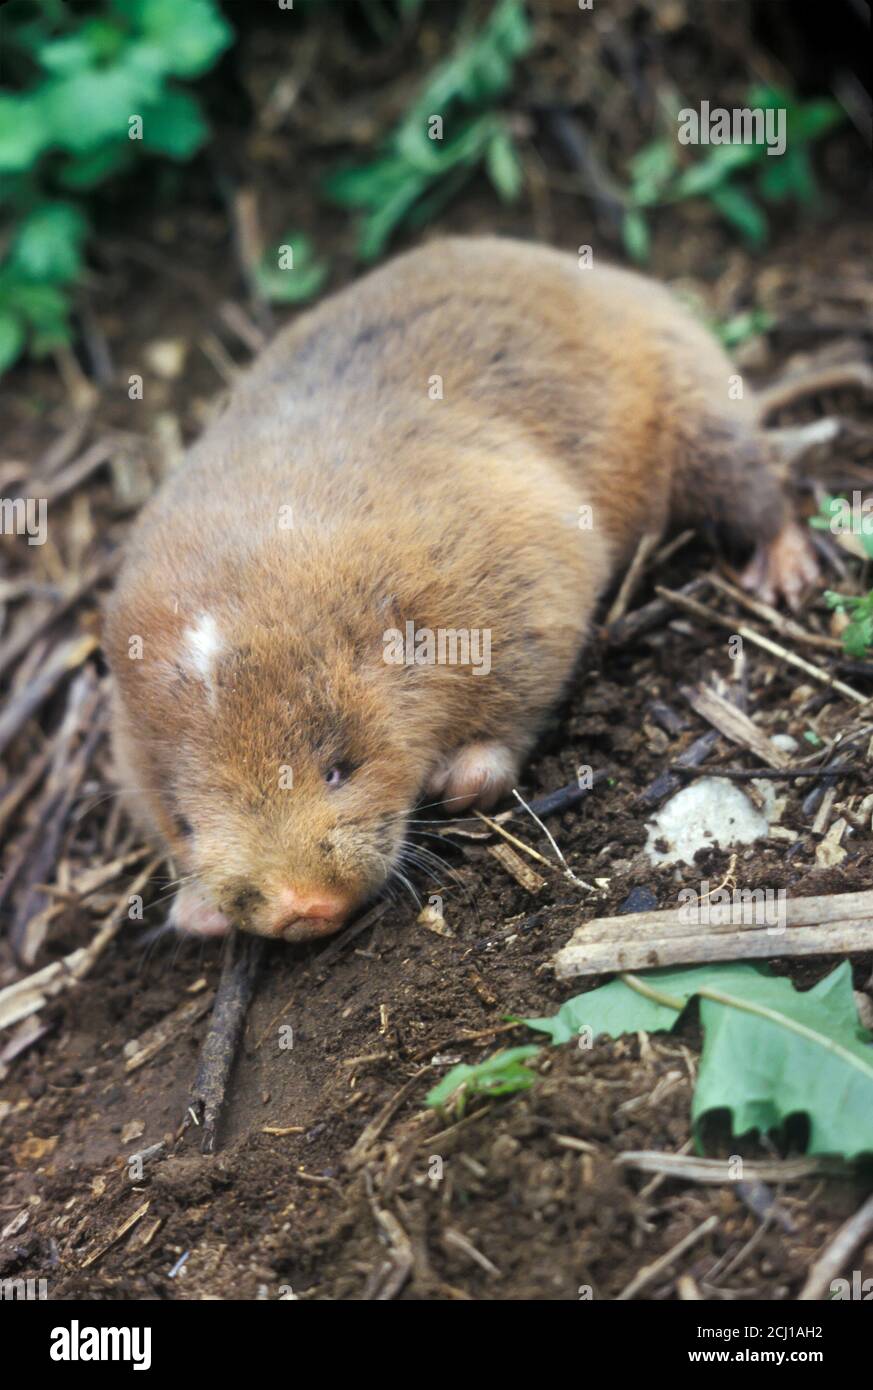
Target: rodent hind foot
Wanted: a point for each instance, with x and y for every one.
(477, 775)
(193, 914)
(783, 567)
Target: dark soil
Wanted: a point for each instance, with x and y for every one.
(500, 1205)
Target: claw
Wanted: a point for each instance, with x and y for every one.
(782, 568)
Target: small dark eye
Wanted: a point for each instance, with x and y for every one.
(337, 775)
(184, 827)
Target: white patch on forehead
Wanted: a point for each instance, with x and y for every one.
(203, 644)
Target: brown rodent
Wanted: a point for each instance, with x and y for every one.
(471, 440)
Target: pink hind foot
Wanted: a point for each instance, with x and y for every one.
(195, 915)
(478, 775)
(782, 568)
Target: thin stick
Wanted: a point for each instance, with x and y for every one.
(652, 614)
(709, 615)
(718, 1170)
(647, 545)
(771, 615)
(742, 929)
(785, 774)
(836, 1253)
(235, 992)
(553, 842)
(514, 840)
(813, 383)
(650, 1273)
(733, 724)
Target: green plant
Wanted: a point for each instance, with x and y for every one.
(89, 90)
(769, 1051)
(857, 636)
(657, 177)
(500, 1075)
(417, 170)
(290, 272)
(835, 514)
(749, 323)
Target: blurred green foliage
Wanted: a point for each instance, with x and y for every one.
(77, 71)
(656, 175)
(73, 79)
(290, 273)
(741, 327)
(417, 172)
(857, 635)
(500, 1075)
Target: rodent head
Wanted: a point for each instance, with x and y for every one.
(278, 768)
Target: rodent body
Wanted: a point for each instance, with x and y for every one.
(471, 440)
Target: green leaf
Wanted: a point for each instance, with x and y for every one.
(813, 118)
(191, 35)
(44, 307)
(86, 171)
(24, 132)
(829, 509)
(612, 1010)
(635, 235)
(789, 175)
(88, 107)
(475, 75)
(651, 170)
(503, 165)
(367, 186)
(742, 211)
(11, 338)
(769, 1051)
(377, 227)
(173, 126)
(857, 636)
(836, 514)
(749, 323)
(48, 243)
(95, 41)
(293, 284)
(772, 1052)
(714, 169)
(499, 1075)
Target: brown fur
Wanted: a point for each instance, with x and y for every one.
(562, 388)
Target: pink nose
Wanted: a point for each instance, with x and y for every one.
(317, 914)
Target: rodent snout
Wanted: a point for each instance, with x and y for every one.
(301, 916)
(288, 916)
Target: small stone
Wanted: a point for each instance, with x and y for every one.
(166, 357)
(710, 812)
(639, 899)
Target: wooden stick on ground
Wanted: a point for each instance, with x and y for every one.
(651, 1272)
(30, 994)
(769, 774)
(790, 389)
(709, 615)
(735, 725)
(746, 928)
(234, 995)
(782, 624)
(837, 1253)
(648, 543)
(667, 782)
(721, 1170)
(653, 614)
